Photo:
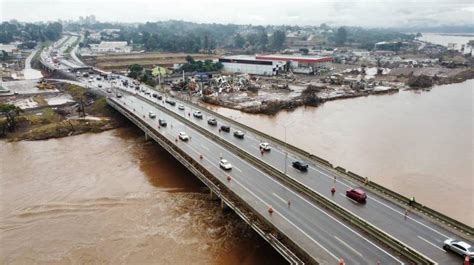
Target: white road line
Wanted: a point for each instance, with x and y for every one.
(280, 198)
(205, 147)
(238, 169)
(434, 245)
(348, 246)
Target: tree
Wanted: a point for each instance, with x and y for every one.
(278, 39)
(341, 36)
(239, 41)
(10, 112)
(135, 70)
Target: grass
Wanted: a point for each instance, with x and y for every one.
(76, 92)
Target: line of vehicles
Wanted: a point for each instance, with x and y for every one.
(462, 248)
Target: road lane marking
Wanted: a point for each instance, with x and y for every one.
(348, 246)
(280, 198)
(203, 146)
(434, 245)
(238, 169)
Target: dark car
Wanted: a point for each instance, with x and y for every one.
(158, 96)
(212, 121)
(162, 122)
(239, 134)
(356, 194)
(225, 128)
(155, 95)
(172, 103)
(300, 165)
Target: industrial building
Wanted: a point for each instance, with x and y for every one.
(273, 64)
(251, 65)
(111, 47)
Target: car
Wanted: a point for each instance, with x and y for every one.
(183, 136)
(158, 96)
(212, 121)
(151, 115)
(197, 114)
(181, 107)
(239, 134)
(90, 80)
(109, 90)
(172, 103)
(264, 146)
(300, 165)
(99, 85)
(137, 88)
(119, 95)
(155, 95)
(98, 78)
(460, 247)
(224, 164)
(356, 194)
(225, 128)
(162, 122)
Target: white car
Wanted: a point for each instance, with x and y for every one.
(226, 165)
(460, 247)
(183, 136)
(197, 114)
(151, 115)
(265, 146)
(181, 107)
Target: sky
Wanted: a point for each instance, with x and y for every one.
(365, 13)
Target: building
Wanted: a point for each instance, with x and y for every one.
(298, 63)
(251, 65)
(11, 50)
(111, 47)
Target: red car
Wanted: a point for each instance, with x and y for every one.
(356, 194)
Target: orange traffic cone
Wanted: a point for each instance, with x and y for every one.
(229, 178)
(270, 210)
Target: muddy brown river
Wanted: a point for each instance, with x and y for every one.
(113, 198)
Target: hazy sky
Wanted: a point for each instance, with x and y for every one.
(371, 13)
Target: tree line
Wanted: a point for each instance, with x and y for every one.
(30, 32)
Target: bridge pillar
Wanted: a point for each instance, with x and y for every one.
(146, 137)
(213, 196)
(223, 205)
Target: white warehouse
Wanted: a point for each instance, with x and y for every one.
(251, 65)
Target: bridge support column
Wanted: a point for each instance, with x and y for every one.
(213, 196)
(146, 137)
(223, 205)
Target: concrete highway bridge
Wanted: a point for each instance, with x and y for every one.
(294, 211)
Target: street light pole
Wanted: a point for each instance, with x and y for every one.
(286, 150)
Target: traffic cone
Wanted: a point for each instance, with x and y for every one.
(229, 178)
(270, 210)
(341, 261)
(333, 190)
(466, 260)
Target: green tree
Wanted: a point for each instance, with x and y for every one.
(278, 39)
(239, 41)
(10, 112)
(135, 70)
(341, 36)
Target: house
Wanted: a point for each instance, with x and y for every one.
(111, 47)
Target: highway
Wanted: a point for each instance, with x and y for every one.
(304, 222)
(413, 230)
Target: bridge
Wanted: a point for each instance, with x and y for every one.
(294, 211)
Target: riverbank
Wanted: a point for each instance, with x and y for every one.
(74, 111)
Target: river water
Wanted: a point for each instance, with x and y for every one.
(113, 198)
(418, 144)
